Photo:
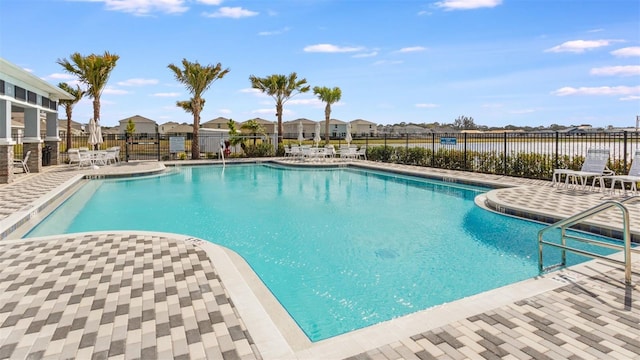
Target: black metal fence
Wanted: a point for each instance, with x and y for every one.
(531, 155)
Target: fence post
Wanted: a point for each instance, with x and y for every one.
(433, 149)
(624, 159)
(127, 138)
(555, 160)
(158, 144)
(504, 154)
(464, 158)
(406, 143)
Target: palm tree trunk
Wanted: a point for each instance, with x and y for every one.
(69, 110)
(327, 116)
(96, 113)
(195, 145)
(279, 115)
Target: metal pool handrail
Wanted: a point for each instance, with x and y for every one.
(570, 221)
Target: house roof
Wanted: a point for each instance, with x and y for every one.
(32, 80)
(304, 121)
(362, 121)
(137, 119)
(180, 129)
(217, 120)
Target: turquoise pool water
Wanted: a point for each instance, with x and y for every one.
(340, 249)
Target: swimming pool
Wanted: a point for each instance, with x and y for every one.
(340, 249)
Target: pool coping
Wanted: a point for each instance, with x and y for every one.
(273, 333)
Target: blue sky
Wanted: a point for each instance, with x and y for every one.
(502, 62)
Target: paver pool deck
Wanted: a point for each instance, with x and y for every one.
(145, 295)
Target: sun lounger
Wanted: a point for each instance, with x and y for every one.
(594, 167)
(23, 163)
(632, 178)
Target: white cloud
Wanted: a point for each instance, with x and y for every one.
(412, 49)
(427, 106)
(424, 12)
(467, 4)
(253, 91)
(275, 32)
(329, 48)
(602, 90)
(231, 12)
(60, 76)
(628, 70)
(144, 7)
(364, 55)
(492, 106)
(169, 94)
(225, 111)
(388, 62)
(111, 91)
(313, 101)
(271, 111)
(210, 2)
(632, 51)
(630, 98)
(580, 46)
(138, 82)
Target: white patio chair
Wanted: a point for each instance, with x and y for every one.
(81, 158)
(362, 153)
(348, 152)
(329, 151)
(632, 178)
(594, 167)
(111, 156)
(23, 163)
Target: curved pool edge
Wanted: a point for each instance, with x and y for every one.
(375, 336)
(275, 334)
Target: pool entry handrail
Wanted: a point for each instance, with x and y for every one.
(565, 224)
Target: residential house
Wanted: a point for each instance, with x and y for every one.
(217, 123)
(360, 127)
(143, 125)
(76, 127)
(185, 130)
(291, 128)
(269, 126)
(337, 128)
(164, 128)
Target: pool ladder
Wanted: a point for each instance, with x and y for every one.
(565, 224)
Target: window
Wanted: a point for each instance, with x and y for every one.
(53, 105)
(32, 97)
(2, 87)
(20, 93)
(45, 102)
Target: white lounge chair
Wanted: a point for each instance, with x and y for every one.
(81, 158)
(632, 178)
(23, 163)
(594, 167)
(362, 153)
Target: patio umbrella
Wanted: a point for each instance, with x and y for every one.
(348, 138)
(300, 133)
(316, 137)
(95, 133)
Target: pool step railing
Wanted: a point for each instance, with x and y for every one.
(567, 223)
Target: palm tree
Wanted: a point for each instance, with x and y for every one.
(92, 70)
(197, 79)
(254, 128)
(77, 94)
(328, 96)
(281, 88)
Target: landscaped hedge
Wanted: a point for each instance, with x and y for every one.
(520, 164)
